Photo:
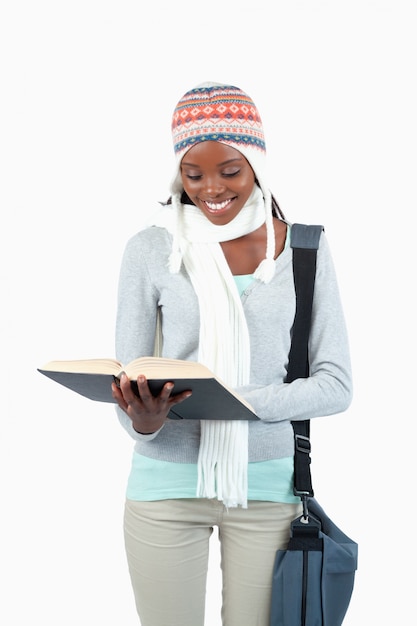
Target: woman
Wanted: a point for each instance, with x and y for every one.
(214, 276)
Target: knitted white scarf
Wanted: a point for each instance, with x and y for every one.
(223, 342)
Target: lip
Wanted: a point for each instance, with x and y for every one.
(217, 208)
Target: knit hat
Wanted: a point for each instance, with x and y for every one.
(223, 113)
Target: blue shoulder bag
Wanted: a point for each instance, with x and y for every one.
(313, 578)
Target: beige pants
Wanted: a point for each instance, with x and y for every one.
(167, 549)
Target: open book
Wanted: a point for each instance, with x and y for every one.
(211, 398)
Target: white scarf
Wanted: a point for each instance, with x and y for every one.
(224, 345)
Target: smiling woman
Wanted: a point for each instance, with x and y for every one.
(214, 273)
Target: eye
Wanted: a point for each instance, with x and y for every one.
(191, 174)
(231, 174)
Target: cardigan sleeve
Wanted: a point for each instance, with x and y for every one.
(136, 316)
(328, 390)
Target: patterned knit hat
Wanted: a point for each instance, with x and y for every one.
(223, 113)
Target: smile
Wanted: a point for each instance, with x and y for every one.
(217, 206)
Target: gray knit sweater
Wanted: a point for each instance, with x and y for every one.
(146, 284)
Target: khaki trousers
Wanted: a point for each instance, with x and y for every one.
(167, 544)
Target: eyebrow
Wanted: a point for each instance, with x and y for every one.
(220, 164)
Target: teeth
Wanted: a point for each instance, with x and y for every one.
(217, 207)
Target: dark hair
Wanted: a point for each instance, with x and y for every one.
(276, 210)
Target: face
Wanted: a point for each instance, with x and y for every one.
(218, 179)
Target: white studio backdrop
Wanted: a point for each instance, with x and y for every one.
(87, 92)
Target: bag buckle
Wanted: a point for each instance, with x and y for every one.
(302, 444)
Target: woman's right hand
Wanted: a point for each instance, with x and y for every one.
(147, 412)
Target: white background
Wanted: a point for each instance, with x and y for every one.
(87, 92)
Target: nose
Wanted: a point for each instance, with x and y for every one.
(213, 185)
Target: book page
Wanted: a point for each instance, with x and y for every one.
(85, 366)
(159, 367)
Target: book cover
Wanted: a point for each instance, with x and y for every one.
(210, 399)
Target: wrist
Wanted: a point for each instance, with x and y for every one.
(146, 429)
(139, 432)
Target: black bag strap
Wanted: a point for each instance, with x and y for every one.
(304, 243)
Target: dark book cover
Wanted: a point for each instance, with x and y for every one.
(210, 399)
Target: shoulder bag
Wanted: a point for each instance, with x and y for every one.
(313, 578)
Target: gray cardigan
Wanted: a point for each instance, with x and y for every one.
(146, 284)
